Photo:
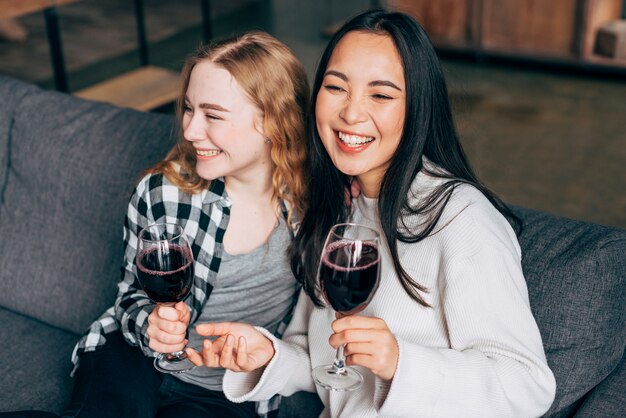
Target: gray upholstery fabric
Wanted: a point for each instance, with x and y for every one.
(608, 399)
(73, 166)
(10, 95)
(576, 275)
(39, 374)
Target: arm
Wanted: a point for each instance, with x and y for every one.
(271, 365)
(495, 364)
(132, 305)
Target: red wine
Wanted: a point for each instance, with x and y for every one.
(349, 289)
(165, 277)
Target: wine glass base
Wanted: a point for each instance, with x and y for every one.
(328, 378)
(168, 363)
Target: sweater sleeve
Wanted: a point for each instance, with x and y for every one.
(288, 372)
(495, 365)
(132, 305)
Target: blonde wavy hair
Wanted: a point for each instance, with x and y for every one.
(276, 82)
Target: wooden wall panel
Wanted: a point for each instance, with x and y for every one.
(530, 26)
(448, 22)
(550, 29)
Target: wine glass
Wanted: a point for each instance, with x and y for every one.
(349, 274)
(165, 271)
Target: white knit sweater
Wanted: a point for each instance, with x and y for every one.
(476, 352)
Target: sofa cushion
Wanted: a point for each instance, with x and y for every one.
(74, 164)
(11, 93)
(576, 275)
(37, 369)
(607, 399)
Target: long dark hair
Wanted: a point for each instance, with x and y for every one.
(429, 132)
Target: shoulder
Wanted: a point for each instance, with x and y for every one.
(148, 182)
(470, 215)
(469, 221)
(155, 188)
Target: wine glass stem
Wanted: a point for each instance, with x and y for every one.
(177, 354)
(339, 365)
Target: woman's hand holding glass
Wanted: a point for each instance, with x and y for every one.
(367, 342)
(238, 347)
(167, 327)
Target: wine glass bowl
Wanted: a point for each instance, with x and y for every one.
(349, 289)
(165, 271)
(349, 274)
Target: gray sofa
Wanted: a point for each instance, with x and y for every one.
(67, 168)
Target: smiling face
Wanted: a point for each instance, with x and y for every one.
(224, 126)
(360, 107)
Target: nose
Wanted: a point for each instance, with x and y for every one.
(193, 129)
(353, 111)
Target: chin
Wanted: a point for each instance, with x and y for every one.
(349, 168)
(208, 175)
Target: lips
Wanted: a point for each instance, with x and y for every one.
(353, 143)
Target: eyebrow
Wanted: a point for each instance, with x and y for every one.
(210, 106)
(374, 83)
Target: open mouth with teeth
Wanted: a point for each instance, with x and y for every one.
(200, 153)
(353, 143)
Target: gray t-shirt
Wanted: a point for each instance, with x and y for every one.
(255, 288)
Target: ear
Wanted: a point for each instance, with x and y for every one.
(259, 124)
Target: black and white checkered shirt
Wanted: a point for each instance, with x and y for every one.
(204, 218)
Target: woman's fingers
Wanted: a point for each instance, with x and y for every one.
(217, 329)
(163, 341)
(358, 322)
(209, 356)
(169, 313)
(242, 353)
(354, 335)
(194, 357)
(226, 355)
(367, 342)
(171, 327)
(160, 347)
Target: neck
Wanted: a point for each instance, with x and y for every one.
(370, 185)
(252, 187)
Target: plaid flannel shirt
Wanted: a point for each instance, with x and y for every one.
(204, 218)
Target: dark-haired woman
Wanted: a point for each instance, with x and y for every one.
(449, 332)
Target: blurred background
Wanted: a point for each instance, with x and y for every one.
(538, 87)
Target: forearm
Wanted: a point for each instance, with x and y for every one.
(486, 381)
(132, 308)
(289, 371)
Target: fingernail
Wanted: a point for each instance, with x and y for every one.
(230, 339)
(206, 344)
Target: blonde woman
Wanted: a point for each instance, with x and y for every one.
(234, 182)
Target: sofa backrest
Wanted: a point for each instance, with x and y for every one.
(69, 168)
(576, 275)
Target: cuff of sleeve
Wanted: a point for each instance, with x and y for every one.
(417, 373)
(144, 340)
